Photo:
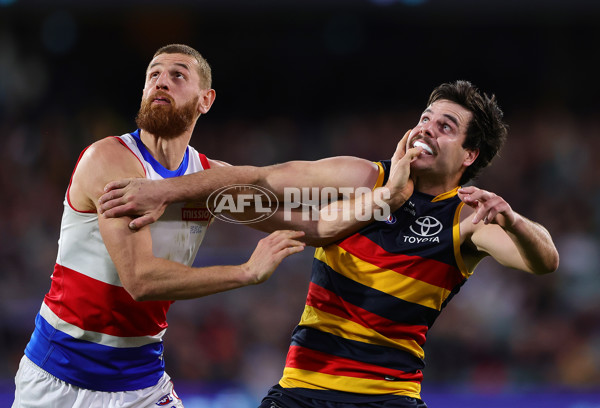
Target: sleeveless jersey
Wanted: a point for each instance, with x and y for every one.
(89, 331)
(371, 300)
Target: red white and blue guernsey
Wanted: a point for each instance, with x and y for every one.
(89, 331)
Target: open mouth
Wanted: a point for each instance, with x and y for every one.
(426, 148)
(162, 100)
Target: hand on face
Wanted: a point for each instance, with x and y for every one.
(399, 182)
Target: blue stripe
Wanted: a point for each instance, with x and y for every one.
(355, 350)
(372, 300)
(159, 168)
(91, 365)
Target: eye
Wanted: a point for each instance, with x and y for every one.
(179, 75)
(447, 127)
(424, 119)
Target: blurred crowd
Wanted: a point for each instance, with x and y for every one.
(506, 330)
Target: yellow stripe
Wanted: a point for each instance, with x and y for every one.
(446, 195)
(380, 177)
(456, 241)
(384, 280)
(338, 326)
(295, 378)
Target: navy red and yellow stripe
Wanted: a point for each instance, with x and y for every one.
(371, 300)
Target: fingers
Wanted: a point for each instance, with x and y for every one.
(401, 146)
(141, 222)
(115, 208)
(270, 251)
(488, 206)
(283, 239)
(108, 202)
(117, 184)
(284, 243)
(413, 153)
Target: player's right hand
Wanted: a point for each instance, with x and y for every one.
(135, 197)
(399, 182)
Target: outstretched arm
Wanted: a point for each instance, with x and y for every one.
(494, 228)
(343, 217)
(148, 199)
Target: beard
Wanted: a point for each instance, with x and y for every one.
(166, 121)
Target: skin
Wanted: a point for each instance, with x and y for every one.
(171, 79)
(488, 226)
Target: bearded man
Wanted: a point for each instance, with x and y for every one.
(98, 335)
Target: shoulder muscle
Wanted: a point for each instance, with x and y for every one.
(103, 161)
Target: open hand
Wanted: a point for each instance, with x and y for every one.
(269, 253)
(489, 207)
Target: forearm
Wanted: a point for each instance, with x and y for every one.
(167, 280)
(199, 186)
(535, 245)
(335, 172)
(343, 218)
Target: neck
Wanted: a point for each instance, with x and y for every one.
(435, 186)
(168, 151)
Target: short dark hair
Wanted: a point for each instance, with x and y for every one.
(486, 130)
(203, 68)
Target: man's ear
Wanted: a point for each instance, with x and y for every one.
(470, 157)
(206, 100)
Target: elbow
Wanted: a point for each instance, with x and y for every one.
(139, 292)
(550, 264)
(139, 288)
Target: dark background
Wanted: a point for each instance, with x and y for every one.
(305, 80)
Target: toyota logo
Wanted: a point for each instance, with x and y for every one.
(426, 226)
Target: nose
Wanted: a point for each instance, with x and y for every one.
(162, 81)
(426, 128)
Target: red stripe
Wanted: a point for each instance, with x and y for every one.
(204, 161)
(329, 302)
(303, 358)
(71, 181)
(426, 270)
(97, 306)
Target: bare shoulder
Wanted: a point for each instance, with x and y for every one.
(103, 161)
(217, 163)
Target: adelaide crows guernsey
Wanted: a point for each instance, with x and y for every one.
(89, 331)
(371, 300)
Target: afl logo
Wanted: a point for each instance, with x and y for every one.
(390, 219)
(426, 226)
(237, 197)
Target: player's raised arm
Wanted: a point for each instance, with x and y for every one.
(495, 229)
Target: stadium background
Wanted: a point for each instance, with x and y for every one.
(305, 80)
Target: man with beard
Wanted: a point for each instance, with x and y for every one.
(98, 335)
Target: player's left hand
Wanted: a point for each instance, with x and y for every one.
(489, 207)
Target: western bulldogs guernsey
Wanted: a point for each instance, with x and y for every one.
(371, 300)
(89, 331)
